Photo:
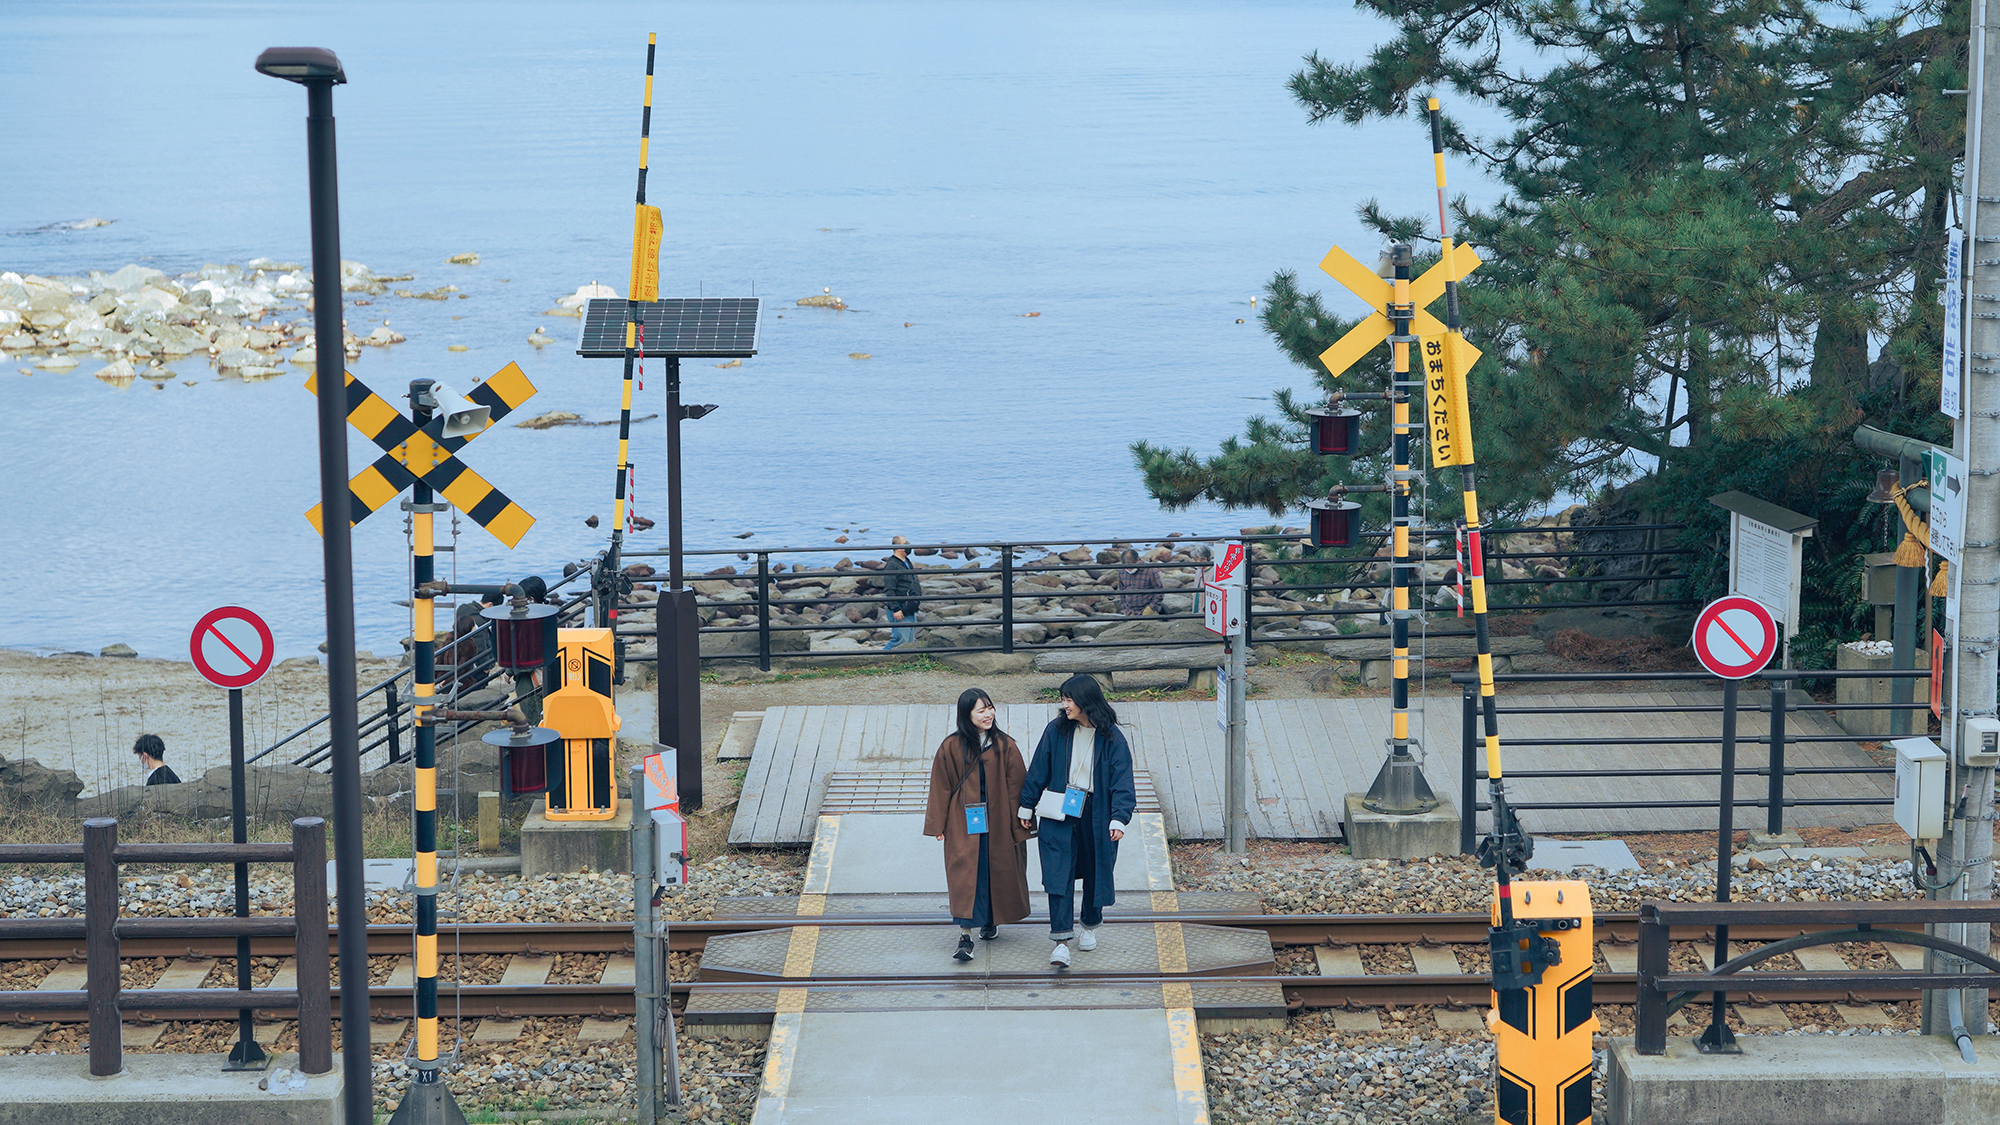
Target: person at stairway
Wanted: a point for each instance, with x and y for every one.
(985, 860)
(151, 750)
(1080, 786)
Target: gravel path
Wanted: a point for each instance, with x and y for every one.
(1322, 879)
(585, 897)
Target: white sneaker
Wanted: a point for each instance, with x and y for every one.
(1060, 958)
(1087, 941)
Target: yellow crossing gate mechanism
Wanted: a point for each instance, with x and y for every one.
(1542, 1032)
(581, 783)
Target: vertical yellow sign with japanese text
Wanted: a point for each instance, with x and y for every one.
(1447, 358)
(647, 231)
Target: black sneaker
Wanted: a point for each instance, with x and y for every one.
(965, 947)
(988, 933)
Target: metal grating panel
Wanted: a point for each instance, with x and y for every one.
(897, 791)
(687, 327)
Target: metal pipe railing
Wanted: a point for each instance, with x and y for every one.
(1774, 801)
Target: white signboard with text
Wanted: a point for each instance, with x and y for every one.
(1947, 516)
(1954, 304)
(1765, 563)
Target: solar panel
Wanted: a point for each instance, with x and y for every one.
(689, 327)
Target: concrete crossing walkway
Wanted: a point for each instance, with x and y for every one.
(883, 1026)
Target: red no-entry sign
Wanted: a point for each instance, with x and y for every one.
(1735, 636)
(231, 647)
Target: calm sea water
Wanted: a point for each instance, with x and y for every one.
(1132, 172)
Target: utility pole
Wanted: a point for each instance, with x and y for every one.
(1967, 848)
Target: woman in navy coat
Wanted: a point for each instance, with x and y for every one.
(1084, 844)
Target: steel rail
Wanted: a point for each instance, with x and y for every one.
(61, 938)
(508, 1001)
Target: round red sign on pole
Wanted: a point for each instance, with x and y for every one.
(1735, 636)
(231, 647)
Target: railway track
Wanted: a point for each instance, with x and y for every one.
(532, 949)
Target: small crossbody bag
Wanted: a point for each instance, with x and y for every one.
(975, 815)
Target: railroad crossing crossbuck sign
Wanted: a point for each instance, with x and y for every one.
(231, 647)
(1377, 292)
(1735, 636)
(411, 453)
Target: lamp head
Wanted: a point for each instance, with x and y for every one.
(302, 65)
(691, 411)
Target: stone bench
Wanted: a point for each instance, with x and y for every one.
(1103, 664)
(1377, 666)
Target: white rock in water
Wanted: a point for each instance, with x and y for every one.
(306, 356)
(131, 277)
(469, 258)
(256, 373)
(154, 300)
(119, 372)
(268, 264)
(587, 293)
(91, 224)
(238, 357)
(538, 338)
(57, 363)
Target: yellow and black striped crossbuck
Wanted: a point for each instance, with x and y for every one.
(411, 453)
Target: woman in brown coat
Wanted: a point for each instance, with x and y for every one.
(985, 856)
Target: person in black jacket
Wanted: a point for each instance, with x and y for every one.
(152, 752)
(901, 589)
(1082, 755)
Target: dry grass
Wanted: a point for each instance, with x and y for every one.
(1622, 654)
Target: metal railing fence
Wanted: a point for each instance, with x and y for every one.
(1008, 585)
(1021, 577)
(386, 724)
(1774, 802)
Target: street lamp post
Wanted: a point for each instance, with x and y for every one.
(319, 71)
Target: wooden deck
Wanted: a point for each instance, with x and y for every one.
(1306, 755)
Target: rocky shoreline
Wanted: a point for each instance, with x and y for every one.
(248, 321)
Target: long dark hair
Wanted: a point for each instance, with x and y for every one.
(1083, 691)
(969, 734)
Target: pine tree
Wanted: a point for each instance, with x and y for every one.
(1703, 202)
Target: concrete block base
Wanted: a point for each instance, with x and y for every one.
(1785, 839)
(164, 1090)
(1807, 1080)
(559, 846)
(1373, 835)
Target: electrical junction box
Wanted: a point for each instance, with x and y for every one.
(1220, 613)
(1981, 744)
(1920, 782)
